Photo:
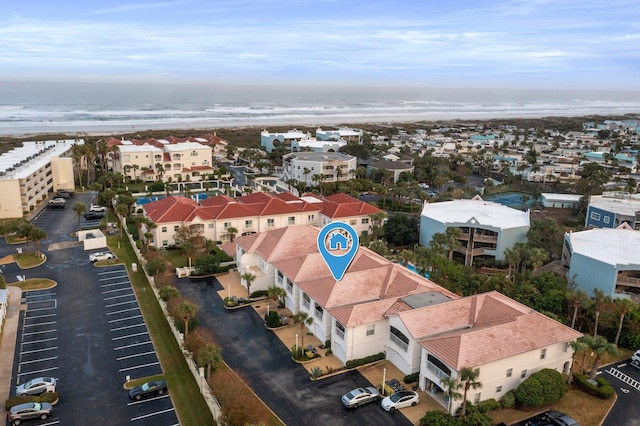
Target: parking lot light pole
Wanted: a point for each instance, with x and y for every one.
(384, 379)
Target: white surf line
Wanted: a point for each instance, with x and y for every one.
(44, 370)
(124, 319)
(42, 323)
(128, 326)
(38, 360)
(131, 345)
(117, 297)
(39, 341)
(152, 414)
(121, 303)
(39, 350)
(130, 335)
(138, 366)
(136, 355)
(40, 332)
(123, 310)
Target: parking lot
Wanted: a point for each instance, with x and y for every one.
(87, 332)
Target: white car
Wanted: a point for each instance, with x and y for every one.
(97, 208)
(400, 399)
(635, 359)
(37, 386)
(101, 255)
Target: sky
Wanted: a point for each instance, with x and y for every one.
(590, 44)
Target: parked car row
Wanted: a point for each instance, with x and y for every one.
(32, 410)
(395, 401)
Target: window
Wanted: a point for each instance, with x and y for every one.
(165, 243)
(543, 354)
(248, 224)
(371, 329)
(523, 374)
(211, 226)
(476, 400)
(510, 372)
(176, 228)
(262, 264)
(194, 153)
(306, 300)
(163, 229)
(311, 218)
(477, 372)
(289, 287)
(595, 216)
(319, 311)
(340, 330)
(499, 389)
(280, 276)
(227, 225)
(353, 222)
(271, 223)
(365, 220)
(291, 220)
(606, 219)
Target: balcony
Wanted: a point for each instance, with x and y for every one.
(436, 371)
(628, 282)
(395, 339)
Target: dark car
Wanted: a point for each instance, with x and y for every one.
(93, 215)
(64, 194)
(29, 410)
(560, 419)
(156, 387)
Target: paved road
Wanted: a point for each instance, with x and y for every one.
(626, 411)
(259, 356)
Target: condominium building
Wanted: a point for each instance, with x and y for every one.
(30, 172)
(611, 209)
(328, 166)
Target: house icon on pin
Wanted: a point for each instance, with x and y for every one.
(337, 241)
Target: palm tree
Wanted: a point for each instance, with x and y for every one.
(79, 209)
(186, 310)
(452, 386)
(36, 235)
(249, 278)
(601, 346)
(233, 231)
(25, 230)
(303, 319)
(210, 356)
(625, 305)
(469, 377)
(407, 256)
(577, 346)
(277, 294)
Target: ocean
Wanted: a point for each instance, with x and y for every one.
(28, 108)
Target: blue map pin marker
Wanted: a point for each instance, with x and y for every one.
(338, 244)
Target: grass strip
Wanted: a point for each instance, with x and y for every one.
(190, 405)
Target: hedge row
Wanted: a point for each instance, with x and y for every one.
(602, 390)
(411, 378)
(366, 360)
(49, 397)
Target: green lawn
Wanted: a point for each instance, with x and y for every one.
(189, 403)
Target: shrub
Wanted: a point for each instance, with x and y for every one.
(366, 360)
(602, 389)
(411, 378)
(439, 418)
(530, 392)
(296, 352)
(328, 352)
(259, 293)
(509, 399)
(272, 319)
(488, 405)
(327, 344)
(542, 388)
(168, 292)
(44, 397)
(316, 372)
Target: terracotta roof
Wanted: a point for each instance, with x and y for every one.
(343, 205)
(479, 329)
(170, 209)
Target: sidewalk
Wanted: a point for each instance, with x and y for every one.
(8, 345)
(288, 334)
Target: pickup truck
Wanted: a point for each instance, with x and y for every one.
(57, 203)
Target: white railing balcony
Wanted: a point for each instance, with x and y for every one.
(436, 371)
(340, 333)
(306, 304)
(404, 346)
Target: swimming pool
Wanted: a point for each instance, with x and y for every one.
(412, 268)
(144, 200)
(510, 199)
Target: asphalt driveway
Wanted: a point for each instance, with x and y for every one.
(264, 361)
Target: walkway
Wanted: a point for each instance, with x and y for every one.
(8, 345)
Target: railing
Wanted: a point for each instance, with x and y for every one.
(436, 371)
(403, 345)
(340, 333)
(628, 281)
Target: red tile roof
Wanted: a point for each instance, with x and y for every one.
(342, 205)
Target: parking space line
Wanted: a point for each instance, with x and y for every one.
(38, 350)
(37, 371)
(40, 332)
(38, 360)
(38, 341)
(112, 284)
(42, 323)
(40, 309)
(127, 326)
(123, 310)
(125, 319)
(117, 277)
(130, 335)
(131, 345)
(56, 422)
(111, 271)
(142, 401)
(117, 297)
(136, 355)
(152, 414)
(138, 366)
(31, 302)
(128, 288)
(39, 316)
(121, 303)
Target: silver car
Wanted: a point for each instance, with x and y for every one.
(359, 396)
(29, 410)
(37, 386)
(101, 255)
